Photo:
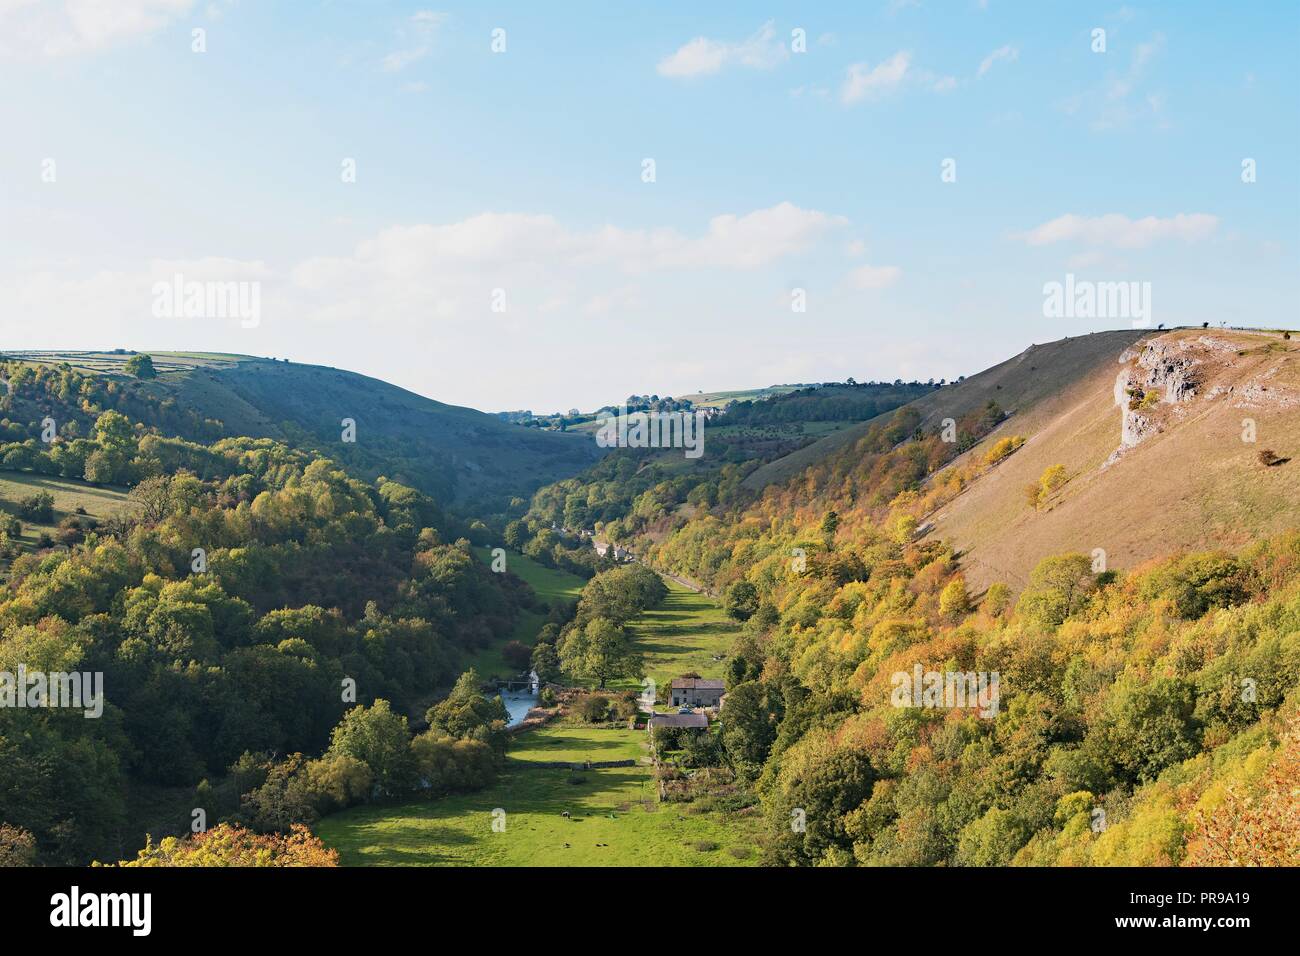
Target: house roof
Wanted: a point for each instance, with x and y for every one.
(679, 720)
(697, 683)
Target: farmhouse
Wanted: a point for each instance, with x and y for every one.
(696, 692)
(678, 722)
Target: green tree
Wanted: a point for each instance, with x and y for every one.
(141, 366)
(378, 738)
(1058, 587)
(600, 650)
(954, 602)
(741, 601)
(468, 714)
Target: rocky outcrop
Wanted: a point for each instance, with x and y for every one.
(1165, 377)
(1168, 366)
(1163, 366)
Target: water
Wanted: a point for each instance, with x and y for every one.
(518, 704)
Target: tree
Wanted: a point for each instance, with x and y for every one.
(114, 430)
(38, 507)
(954, 602)
(1145, 728)
(516, 535)
(17, 846)
(749, 724)
(1259, 826)
(517, 655)
(741, 601)
(141, 366)
(1058, 587)
(468, 714)
(229, 845)
(1052, 478)
(997, 599)
(378, 738)
(830, 524)
(546, 662)
(599, 651)
(153, 497)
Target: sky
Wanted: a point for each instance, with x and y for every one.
(510, 207)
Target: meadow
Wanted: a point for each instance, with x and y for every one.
(99, 502)
(688, 632)
(549, 584)
(614, 819)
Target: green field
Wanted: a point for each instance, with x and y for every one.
(685, 633)
(69, 494)
(549, 584)
(614, 820)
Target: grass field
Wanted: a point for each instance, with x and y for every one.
(69, 494)
(688, 632)
(614, 819)
(549, 584)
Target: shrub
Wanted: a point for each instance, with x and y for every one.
(594, 708)
(997, 598)
(1268, 458)
(1002, 448)
(38, 507)
(17, 846)
(227, 845)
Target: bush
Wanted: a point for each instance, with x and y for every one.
(38, 507)
(1268, 458)
(1002, 448)
(594, 708)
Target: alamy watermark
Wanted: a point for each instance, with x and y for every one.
(947, 689)
(652, 430)
(1085, 299)
(80, 690)
(194, 299)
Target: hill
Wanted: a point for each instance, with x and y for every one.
(1037, 373)
(1173, 473)
(462, 456)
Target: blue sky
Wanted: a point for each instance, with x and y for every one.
(131, 158)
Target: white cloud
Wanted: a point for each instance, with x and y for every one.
(497, 243)
(702, 56)
(1121, 232)
(416, 38)
(874, 277)
(59, 28)
(865, 82)
(1113, 105)
(1007, 52)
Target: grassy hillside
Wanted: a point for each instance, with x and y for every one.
(688, 632)
(69, 494)
(457, 454)
(1039, 373)
(1193, 484)
(549, 584)
(614, 820)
